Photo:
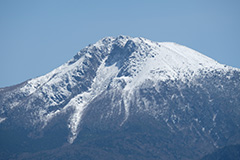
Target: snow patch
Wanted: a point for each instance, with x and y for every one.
(149, 61)
(214, 117)
(2, 119)
(104, 76)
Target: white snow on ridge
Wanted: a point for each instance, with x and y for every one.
(66, 71)
(162, 61)
(2, 119)
(152, 60)
(149, 61)
(103, 77)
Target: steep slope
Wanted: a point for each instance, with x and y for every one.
(126, 88)
(227, 153)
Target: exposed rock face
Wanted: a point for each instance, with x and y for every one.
(124, 98)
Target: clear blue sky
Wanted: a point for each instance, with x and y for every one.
(37, 36)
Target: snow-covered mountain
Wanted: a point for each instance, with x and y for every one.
(122, 84)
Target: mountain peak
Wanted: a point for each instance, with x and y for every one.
(162, 59)
(118, 65)
(127, 91)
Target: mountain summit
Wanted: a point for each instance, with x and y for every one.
(124, 98)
